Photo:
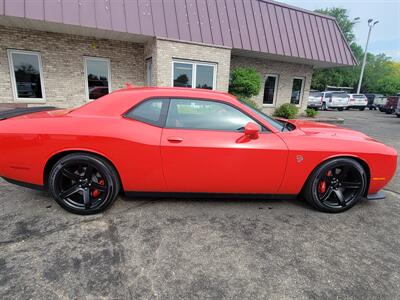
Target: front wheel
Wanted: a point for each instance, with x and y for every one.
(340, 109)
(83, 183)
(336, 185)
(361, 108)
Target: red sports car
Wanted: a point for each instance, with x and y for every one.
(183, 141)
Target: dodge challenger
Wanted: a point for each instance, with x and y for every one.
(178, 141)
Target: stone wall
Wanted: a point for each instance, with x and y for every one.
(285, 71)
(167, 50)
(63, 63)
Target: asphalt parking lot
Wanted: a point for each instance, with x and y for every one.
(207, 249)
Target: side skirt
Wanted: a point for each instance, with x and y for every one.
(209, 195)
(25, 184)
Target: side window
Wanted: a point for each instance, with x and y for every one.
(149, 111)
(203, 114)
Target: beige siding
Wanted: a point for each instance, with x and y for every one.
(285, 71)
(63, 63)
(166, 51)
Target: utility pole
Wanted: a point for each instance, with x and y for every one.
(371, 23)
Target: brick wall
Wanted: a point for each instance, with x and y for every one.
(165, 51)
(285, 71)
(63, 63)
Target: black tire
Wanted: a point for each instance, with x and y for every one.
(340, 109)
(361, 108)
(329, 200)
(381, 109)
(83, 183)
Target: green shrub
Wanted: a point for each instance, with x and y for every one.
(287, 111)
(311, 113)
(244, 83)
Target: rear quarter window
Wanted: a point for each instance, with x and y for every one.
(150, 111)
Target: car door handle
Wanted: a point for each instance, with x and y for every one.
(175, 139)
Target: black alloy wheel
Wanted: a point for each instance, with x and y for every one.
(84, 183)
(336, 185)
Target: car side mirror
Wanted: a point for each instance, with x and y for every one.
(252, 130)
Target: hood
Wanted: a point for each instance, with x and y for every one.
(329, 130)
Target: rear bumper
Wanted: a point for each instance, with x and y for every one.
(377, 196)
(314, 105)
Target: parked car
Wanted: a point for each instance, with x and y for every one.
(175, 141)
(314, 100)
(391, 104)
(358, 101)
(374, 100)
(336, 100)
(380, 102)
(398, 109)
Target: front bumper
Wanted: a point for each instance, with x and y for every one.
(377, 196)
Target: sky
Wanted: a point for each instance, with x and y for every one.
(385, 36)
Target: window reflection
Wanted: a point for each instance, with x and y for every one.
(27, 75)
(204, 77)
(97, 77)
(183, 75)
(296, 91)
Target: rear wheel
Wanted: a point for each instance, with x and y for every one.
(83, 183)
(336, 185)
(361, 108)
(340, 109)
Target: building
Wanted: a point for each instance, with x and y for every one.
(67, 52)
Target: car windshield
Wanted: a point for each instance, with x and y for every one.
(275, 123)
(315, 94)
(339, 95)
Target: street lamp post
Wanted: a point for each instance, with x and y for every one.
(371, 23)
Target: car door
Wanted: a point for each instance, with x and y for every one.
(204, 149)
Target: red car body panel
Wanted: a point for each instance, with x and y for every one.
(149, 160)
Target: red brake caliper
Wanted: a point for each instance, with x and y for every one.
(95, 192)
(322, 183)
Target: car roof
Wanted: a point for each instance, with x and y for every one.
(120, 101)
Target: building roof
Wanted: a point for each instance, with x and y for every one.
(264, 26)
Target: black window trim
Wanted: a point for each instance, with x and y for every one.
(165, 110)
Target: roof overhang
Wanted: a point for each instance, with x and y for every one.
(24, 23)
(289, 59)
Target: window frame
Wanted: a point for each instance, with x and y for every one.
(14, 80)
(303, 81)
(194, 71)
(273, 104)
(95, 58)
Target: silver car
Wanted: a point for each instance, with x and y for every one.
(314, 100)
(335, 100)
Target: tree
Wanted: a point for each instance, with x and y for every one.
(381, 75)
